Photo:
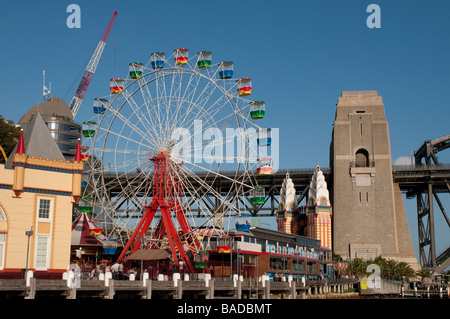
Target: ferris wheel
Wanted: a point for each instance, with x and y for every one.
(161, 138)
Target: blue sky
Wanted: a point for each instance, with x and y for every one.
(299, 54)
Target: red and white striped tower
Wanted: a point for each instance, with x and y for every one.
(319, 210)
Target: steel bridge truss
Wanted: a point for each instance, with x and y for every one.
(423, 181)
(206, 201)
(425, 204)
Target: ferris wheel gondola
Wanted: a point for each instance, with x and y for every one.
(136, 69)
(100, 105)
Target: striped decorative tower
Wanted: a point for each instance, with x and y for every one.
(287, 206)
(319, 211)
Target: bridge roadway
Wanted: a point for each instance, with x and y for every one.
(412, 180)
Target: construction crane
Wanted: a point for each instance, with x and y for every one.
(90, 69)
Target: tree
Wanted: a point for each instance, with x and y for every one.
(391, 266)
(423, 273)
(382, 263)
(336, 258)
(392, 269)
(405, 270)
(9, 136)
(356, 266)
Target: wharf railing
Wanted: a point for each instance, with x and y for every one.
(73, 287)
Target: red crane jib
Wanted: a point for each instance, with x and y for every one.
(89, 72)
(84, 83)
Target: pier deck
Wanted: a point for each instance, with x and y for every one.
(151, 289)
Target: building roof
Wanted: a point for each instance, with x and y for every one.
(81, 232)
(150, 254)
(55, 107)
(273, 235)
(86, 233)
(38, 142)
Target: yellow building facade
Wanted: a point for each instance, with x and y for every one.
(37, 193)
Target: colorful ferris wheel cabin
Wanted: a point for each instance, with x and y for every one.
(84, 156)
(136, 69)
(264, 166)
(244, 223)
(201, 260)
(181, 56)
(100, 105)
(116, 85)
(224, 244)
(89, 128)
(257, 109)
(204, 59)
(244, 86)
(157, 60)
(226, 70)
(258, 195)
(264, 137)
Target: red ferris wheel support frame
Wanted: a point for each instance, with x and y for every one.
(167, 190)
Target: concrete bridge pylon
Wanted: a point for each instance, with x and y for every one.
(369, 217)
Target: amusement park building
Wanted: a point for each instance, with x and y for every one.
(268, 252)
(59, 120)
(37, 189)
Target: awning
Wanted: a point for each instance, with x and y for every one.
(150, 254)
(86, 233)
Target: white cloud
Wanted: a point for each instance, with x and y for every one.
(403, 160)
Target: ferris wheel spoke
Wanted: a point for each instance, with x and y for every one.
(148, 127)
(183, 101)
(198, 197)
(216, 173)
(141, 116)
(126, 138)
(226, 206)
(129, 124)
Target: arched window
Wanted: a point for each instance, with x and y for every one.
(2, 214)
(2, 240)
(362, 158)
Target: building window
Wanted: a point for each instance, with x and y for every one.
(311, 268)
(41, 252)
(53, 126)
(45, 208)
(2, 249)
(362, 158)
(2, 214)
(278, 263)
(298, 265)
